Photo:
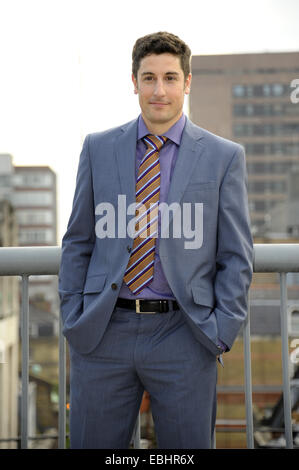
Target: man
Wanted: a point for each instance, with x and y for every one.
(151, 298)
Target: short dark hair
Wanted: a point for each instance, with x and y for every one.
(159, 43)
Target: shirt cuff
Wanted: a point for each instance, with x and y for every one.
(222, 345)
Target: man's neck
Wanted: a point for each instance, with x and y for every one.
(160, 128)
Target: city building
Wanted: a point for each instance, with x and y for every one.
(252, 99)
(31, 191)
(34, 199)
(9, 334)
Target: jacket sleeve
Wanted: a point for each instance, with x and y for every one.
(78, 241)
(234, 257)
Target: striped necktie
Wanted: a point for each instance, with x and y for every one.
(140, 269)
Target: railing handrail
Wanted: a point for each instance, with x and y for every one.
(276, 257)
(29, 260)
(45, 260)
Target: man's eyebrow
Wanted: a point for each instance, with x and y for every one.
(152, 73)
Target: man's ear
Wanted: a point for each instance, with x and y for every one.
(188, 84)
(134, 80)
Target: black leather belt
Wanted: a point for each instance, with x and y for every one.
(148, 306)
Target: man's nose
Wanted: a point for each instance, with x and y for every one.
(159, 88)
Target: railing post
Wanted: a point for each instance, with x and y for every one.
(136, 433)
(285, 362)
(25, 361)
(62, 389)
(248, 381)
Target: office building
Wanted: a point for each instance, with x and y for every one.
(34, 200)
(9, 335)
(252, 99)
(31, 191)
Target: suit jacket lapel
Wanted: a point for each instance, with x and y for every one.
(191, 149)
(125, 157)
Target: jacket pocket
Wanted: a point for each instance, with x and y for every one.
(206, 321)
(203, 296)
(94, 284)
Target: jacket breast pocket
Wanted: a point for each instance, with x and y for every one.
(201, 191)
(94, 285)
(201, 186)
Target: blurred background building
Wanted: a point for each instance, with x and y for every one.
(9, 332)
(31, 191)
(35, 202)
(28, 217)
(247, 98)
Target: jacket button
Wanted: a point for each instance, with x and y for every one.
(113, 286)
(129, 249)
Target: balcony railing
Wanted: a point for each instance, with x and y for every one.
(28, 261)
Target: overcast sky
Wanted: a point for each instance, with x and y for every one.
(65, 66)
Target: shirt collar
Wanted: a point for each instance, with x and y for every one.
(174, 133)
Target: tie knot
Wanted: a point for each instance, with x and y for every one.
(154, 141)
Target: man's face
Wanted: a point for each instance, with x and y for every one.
(161, 87)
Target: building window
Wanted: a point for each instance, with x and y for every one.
(239, 91)
(265, 90)
(32, 198)
(277, 89)
(264, 109)
(28, 236)
(33, 179)
(34, 217)
(266, 129)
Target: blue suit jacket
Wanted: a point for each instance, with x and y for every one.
(210, 282)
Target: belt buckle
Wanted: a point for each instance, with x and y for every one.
(137, 304)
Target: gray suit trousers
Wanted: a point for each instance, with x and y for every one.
(153, 352)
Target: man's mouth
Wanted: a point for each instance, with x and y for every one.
(159, 104)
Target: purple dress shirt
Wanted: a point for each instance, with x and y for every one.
(159, 287)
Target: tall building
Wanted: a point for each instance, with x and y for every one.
(6, 176)
(32, 193)
(249, 98)
(34, 200)
(9, 337)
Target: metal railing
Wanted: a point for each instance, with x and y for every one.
(28, 261)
